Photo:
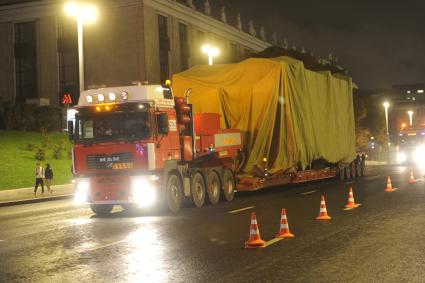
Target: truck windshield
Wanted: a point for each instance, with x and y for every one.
(114, 126)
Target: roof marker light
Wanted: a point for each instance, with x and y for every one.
(89, 98)
(100, 97)
(112, 96)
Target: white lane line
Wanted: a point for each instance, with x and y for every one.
(371, 177)
(273, 241)
(350, 182)
(1, 240)
(242, 209)
(350, 208)
(309, 192)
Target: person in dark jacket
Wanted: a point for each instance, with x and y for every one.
(48, 175)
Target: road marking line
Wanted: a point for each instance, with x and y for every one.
(104, 246)
(242, 209)
(350, 208)
(309, 192)
(1, 240)
(271, 242)
(350, 182)
(372, 177)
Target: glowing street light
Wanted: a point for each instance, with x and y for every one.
(85, 13)
(410, 113)
(211, 52)
(386, 105)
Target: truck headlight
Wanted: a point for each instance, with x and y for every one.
(419, 155)
(401, 157)
(143, 191)
(82, 190)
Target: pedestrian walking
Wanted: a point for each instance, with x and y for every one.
(39, 175)
(48, 175)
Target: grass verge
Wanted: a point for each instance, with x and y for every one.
(18, 160)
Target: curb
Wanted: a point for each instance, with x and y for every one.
(34, 200)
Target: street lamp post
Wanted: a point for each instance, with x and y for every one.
(410, 113)
(211, 52)
(386, 105)
(84, 13)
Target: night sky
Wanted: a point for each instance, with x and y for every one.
(381, 43)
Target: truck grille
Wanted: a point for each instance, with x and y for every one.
(107, 161)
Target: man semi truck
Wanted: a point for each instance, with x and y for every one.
(225, 128)
(136, 146)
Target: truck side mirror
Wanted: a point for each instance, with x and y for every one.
(71, 130)
(162, 122)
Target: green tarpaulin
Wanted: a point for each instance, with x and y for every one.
(286, 113)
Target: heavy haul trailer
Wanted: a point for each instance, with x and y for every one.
(297, 125)
(139, 146)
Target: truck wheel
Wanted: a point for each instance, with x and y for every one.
(213, 187)
(198, 189)
(341, 174)
(101, 209)
(174, 193)
(346, 172)
(358, 169)
(229, 185)
(352, 171)
(363, 169)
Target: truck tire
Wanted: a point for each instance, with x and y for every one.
(198, 190)
(346, 172)
(213, 187)
(352, 170)
(363, 169)
(229, 185)
(101, 209)
(341, 174)
(174, 193)
(358, 169)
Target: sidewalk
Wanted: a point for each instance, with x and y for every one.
(26, 195)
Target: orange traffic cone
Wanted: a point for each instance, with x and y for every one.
(389, 188)
(254, 240)
(351, 203)
(323, 215)
(412, 179)
(284, 227)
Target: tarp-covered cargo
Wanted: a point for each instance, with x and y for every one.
(286, 113)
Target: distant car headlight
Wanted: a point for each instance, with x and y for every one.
(401, 157)
(419, 155)
(82, 190)
(143, 190)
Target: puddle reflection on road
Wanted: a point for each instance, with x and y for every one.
(144, 261)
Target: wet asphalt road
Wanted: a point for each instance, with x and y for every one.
(381, 241)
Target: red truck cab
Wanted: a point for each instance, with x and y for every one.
(137, 146)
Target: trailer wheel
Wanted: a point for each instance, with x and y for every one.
(358, 169)
(174, 193)
(341, 173)
(229, 185)
(213, 187)
(352, 170)
(198, 189)
(101, 209)
(363, 169)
